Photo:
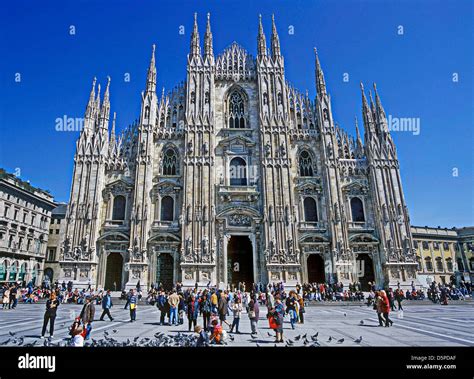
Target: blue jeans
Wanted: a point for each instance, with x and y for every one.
(293, 318)
(174, 316)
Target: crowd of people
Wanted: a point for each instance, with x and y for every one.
(213, 313)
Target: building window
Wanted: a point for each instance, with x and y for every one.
(425, 245)
(471, 263)
(51, 254)
(445, 246)
(305, 164)
(10, 242)
(118, 212)
(357, 210)
(460, 264)
(167, 208)
(428, 264)
(57, 231)
(236, 110)
(435, 245)
(5, 212)
(415, 244)
(439, 264)
(449, 264)
(310, 210)
(238, 172)
(170, 162)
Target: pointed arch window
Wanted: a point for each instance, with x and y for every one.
(238, 172)
(170, 162)
(305, 164)
(118, 209)
(167, 208)
(310, 210)
(236, 110)
(357, 209)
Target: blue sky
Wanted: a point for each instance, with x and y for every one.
(413, 72)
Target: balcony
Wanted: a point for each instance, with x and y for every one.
(238, 193)
(360, 226)
(318, 226)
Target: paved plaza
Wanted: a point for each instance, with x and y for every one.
(422, 325)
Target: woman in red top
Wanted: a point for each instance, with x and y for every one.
(385, 308)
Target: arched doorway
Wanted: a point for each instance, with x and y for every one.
(48, 274)
(113, 272)
(315, 264)
(365, 270)
(164, 271)
(240, 261)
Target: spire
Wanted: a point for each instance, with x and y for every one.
(105, 110)
(275, 40)
(379, 108)
(359, 140)
(320, 82)
(151, 76)
(97, 99)
(195, 48)
(112, 134)
(372, 106)
(208, 51)
(90, 104)
(262, 43)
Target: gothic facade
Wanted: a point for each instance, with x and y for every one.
(235, 176)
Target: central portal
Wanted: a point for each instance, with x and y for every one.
(240, 261)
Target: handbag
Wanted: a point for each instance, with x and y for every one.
(252, 314)
(133, 306)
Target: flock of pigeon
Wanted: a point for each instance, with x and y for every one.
(163, 340)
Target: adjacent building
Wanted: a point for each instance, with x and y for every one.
(25, 214)
(56, 231)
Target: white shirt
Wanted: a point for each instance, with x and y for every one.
(78, 341)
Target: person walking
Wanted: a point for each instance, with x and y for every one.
(205, 309)
(291, 305)
(399, 298)
(6, 297)
(13, 297)
(87, 316)
(161, 304)
(378, 307)
(133, 301)
(127, 304)
(222, 309)
(385, 306)
(52, 305)
(106, 305)
(301, 310)
(192, 311)
(237, 311)
(173, 301)
(276, 319)
(253, 313)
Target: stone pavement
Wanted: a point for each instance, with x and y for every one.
(422, 325)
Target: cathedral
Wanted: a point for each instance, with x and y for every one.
(235, 176)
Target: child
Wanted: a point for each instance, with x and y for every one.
(216, 333)
(77, 337)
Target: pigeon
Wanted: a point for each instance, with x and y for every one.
(106, 333)
(316, 343)
(253, 337)
(345, 314)
(20, 341)
(269, 334)
(297, 338)
(11, 333)
(305, 335)
(114, 331)
(341, 340)
(231, 337)
(136, 338)
(305, 342)
(6, 341)
(290, 341)
(358, 340)
(258, 345)
(361, 322)
(46, 343)
(315, 337)
(329, 339)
